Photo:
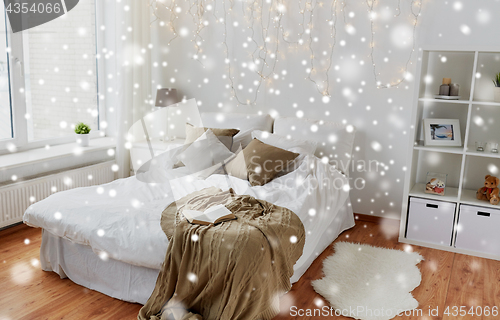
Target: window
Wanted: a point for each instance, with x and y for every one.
(53, 80)
(6, 131)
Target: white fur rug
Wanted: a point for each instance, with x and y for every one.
(369, 283)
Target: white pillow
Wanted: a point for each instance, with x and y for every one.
(285, 143)
(180, 113)
(204, 153)
(242, 139)
(335, 140)
(240, 121)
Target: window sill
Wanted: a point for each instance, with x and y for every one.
(40, 155)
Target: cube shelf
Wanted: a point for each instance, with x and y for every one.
(479, 117)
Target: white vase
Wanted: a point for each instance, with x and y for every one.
(497, 94)
(83, 139)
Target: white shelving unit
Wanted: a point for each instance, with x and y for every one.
(479, 119)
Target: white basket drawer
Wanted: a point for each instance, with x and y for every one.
(478, 229)
(430, 221)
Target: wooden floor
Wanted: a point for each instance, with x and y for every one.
(448, 279)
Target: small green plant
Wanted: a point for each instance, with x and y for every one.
(82, 128)
(496, 81)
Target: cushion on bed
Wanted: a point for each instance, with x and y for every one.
(204, 153)
(224, 135)
(283, 142)
(262, 162)
(295, 164)
(180, 113)
(236, 166)
(242, 139)
(335, 140)
(245, 122)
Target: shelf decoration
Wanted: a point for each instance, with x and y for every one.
(444, 89)
(496, 81)
(480, 146)
(494, 147)
(436, 183)
(454, 89)
(442, 132)
(448, 90)
(489, 191)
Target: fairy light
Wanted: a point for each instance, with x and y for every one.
(261, 55)
(265, 54)
(197, 12)
(415, 12)
(302, 13)
(323, 87)
(173, 16)
(398, 9)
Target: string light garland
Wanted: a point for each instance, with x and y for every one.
(302, 13)
(398, 9)
(416, 15)
(197, 11)
(173, 16)
(268, 16)
(261, 54)
(324, 87)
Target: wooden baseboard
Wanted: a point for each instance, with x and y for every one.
(374, 219)
(11, 225)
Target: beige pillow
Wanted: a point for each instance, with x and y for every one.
(236, 167)
(204, 153)
(259, 162)
(224, 135)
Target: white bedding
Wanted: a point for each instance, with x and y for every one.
(121, 219)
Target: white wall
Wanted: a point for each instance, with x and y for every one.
(382, 116)
(444, 21)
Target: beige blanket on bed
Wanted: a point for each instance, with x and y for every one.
(234, 270)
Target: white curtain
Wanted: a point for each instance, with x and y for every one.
(127, 60)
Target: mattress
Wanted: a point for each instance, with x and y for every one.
(129, 282)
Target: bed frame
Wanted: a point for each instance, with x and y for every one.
(135, 283)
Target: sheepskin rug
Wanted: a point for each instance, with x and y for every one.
(369, 283)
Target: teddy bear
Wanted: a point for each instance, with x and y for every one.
(490, 190)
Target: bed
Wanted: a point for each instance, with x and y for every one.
(117, 247)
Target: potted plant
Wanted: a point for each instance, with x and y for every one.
(496, 81)
(82, 134)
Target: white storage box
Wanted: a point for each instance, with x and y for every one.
(478, 229)
(430, 221)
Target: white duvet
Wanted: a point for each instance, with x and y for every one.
(121, 219)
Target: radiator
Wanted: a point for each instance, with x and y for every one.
(15, 198)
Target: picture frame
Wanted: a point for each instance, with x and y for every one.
(442, 132)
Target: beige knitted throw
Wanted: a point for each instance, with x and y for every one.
(234, 270)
